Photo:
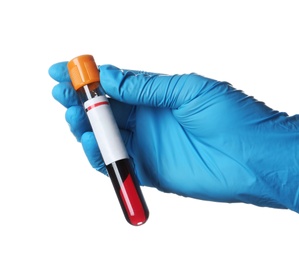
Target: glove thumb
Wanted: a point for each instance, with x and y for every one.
(143, 88)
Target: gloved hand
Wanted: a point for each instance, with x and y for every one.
(194, 136)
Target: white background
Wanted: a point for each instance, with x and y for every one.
(53, 205)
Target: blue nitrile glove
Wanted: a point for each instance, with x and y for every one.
(194, 136)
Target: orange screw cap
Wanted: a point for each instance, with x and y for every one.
(83, 71)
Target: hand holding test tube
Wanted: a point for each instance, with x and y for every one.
(230, 147)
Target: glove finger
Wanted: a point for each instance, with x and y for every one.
(59, 72)
(65, 94)
(78, 121)
(149, 88)
(92, 152)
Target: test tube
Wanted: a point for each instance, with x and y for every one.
(85, 79)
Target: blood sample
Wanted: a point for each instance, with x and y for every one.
(85, 79)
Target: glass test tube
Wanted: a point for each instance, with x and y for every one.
(86, 81)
